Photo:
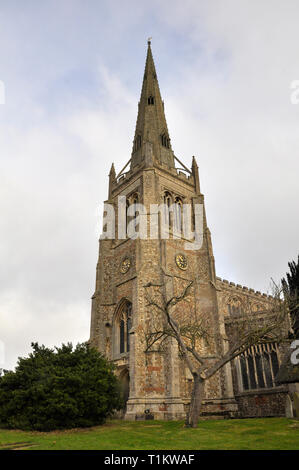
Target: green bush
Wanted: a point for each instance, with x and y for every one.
(59, 388)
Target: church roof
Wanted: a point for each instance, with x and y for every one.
(151, 127)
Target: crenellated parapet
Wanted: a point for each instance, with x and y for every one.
(116, 182)
(235, 299)
(238, 288)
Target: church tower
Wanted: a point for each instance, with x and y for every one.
(156, 381)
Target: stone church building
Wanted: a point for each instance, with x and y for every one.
(157, 382)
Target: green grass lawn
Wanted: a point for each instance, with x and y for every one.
(252, 434)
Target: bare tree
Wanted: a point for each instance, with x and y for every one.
(190, 331)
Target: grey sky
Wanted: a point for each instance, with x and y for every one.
(73, 72)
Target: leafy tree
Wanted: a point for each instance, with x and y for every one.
(291, 293)
(59, 388)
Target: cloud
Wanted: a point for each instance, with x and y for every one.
(52, 185)
(232, 108)
(72, 76)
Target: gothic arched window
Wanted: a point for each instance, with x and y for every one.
(127, 216)
(137, 143)
(167, 207)
(165, 141)
(151, 100)
(132, 213)
(135, 199)
(123, 326)
(235, 307)
(178, 215)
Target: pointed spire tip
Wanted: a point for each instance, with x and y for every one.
(194, 162)
(112, 170)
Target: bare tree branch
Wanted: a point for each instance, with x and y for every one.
(250, 328)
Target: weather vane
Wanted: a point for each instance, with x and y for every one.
(149, 40)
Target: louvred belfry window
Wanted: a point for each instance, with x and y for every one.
(165, 141)
(137, 143)
(178, 215)
(167, 208)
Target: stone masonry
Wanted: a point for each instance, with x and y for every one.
(158, 382)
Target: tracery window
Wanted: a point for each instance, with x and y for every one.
(234, 310)
(235, 307)
(258, 366)
(124, 326)
(150, 100)
(134, 199)
(167, 199)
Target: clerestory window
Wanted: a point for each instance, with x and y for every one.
(258, 366)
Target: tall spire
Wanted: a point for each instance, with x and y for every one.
(151, 134)
(112, 176)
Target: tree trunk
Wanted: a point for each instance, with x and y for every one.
(196, 402)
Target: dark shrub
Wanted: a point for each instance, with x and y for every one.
(58, 389)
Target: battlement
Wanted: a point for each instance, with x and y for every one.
(183, 175)
(239, 288)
